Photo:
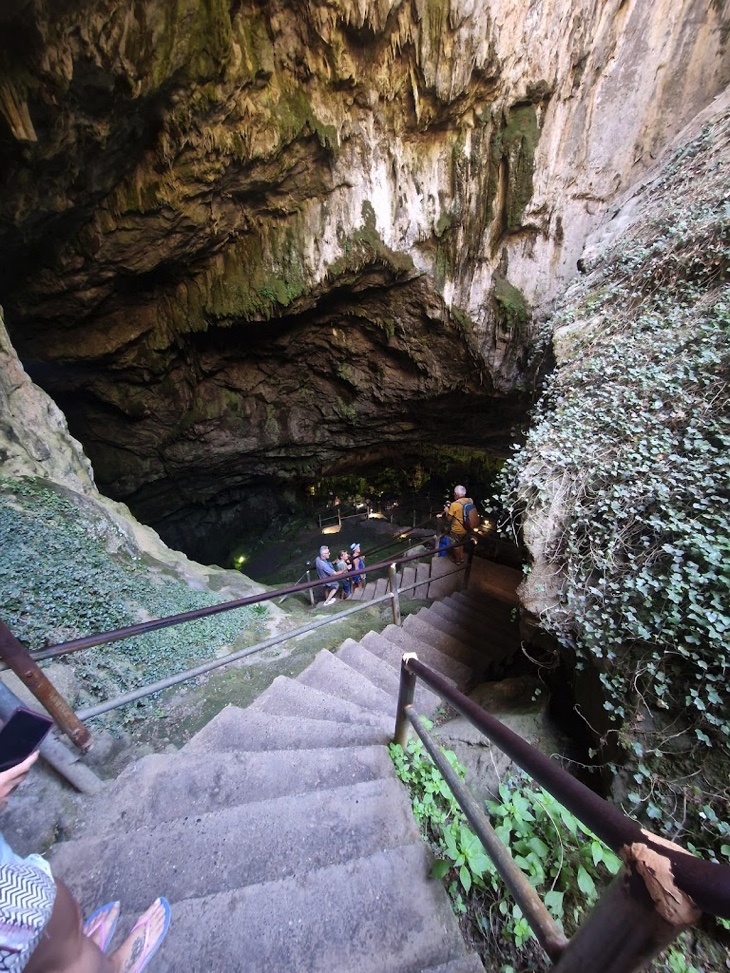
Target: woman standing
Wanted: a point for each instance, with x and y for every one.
(358, 564)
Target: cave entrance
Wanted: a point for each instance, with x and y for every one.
(270, 530)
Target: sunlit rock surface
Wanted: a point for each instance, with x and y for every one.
(248, 240)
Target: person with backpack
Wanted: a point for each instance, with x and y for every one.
(462, 517)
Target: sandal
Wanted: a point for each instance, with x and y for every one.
(143, 953)
(101, 924)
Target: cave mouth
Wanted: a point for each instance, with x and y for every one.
(238, 528)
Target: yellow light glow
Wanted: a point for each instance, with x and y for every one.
(333, 529)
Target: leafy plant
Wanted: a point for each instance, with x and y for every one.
(560, 857)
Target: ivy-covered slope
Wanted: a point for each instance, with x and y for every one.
(67, 571)
(622, 486)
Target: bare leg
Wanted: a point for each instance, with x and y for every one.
(63, 947)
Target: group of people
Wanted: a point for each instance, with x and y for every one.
(41, 928)
(454, 532)
(345, 564)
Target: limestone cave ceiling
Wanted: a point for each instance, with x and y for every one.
(255, 239)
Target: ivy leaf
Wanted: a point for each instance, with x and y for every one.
(465, 877)
(585, 882)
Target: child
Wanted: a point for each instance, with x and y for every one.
(343, 564)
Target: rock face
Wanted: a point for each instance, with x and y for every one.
(248, 240)
(35, 442)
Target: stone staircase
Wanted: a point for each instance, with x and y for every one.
(279, 833)
(420, 579)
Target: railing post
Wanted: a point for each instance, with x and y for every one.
(406, 692)
(310, 591)
(626, 928)
(469, 557)
(393, 581)
(31, 675)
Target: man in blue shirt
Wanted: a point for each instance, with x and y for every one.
(325, 570)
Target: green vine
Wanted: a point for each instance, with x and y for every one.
(567, 864)
(629, 458)
(59, 580)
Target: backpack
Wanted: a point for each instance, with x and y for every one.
(469, 515)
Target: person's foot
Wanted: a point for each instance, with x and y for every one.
(144, 940)
(100, 925)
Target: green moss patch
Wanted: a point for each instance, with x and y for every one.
(59, 581)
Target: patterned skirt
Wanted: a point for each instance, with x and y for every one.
(27, 894)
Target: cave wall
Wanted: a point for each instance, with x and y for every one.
(250, 239)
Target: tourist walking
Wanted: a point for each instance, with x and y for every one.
(456, 521)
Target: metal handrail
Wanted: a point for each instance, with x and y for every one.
(141, 628)
(662, 881)
(16, 657)
(299, 580)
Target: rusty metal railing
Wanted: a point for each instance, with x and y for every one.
(660, 890)
(15, 656)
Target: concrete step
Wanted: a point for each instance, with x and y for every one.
(473, 631)
(384, 649)
(237, 729)
(499, 639)
(496, 617)
(419, 625)
(331, 674)
(453, 669)
(423, 577)
(464, 964)
(464, 615)
(382, 587)
(407, 577)
(476, 623)
(204, 854)
(495, 580)
(158, 786)
(485, 606)
(385, 676)
(356, 593)
(288, 697)
(451, 626)
(368, 592)
(444, 577)
(375, 915)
